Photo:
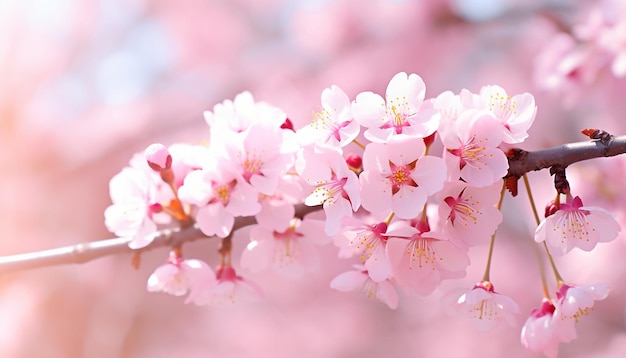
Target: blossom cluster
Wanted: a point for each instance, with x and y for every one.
(406, 217)
(596, 43)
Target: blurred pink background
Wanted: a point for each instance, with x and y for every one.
(84, 85)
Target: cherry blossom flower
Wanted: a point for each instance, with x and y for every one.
(472, 148)
(229, 288)
(367, 241)
(546, 328)
(468, 214)
(574, 302)
(336, 186)
(575, 225)
(239, 114)
(178, 276)
(421, 260)
(260, 155)
(516, 114)
(485, 307)
(397, 177)
(220, 195)
(403, 111)
(359, 280)
(158, 157)
(292, 252)
(333, 126)
(130, 215)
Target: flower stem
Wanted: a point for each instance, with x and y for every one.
(558, 277)
(493, 238)
(359, 144)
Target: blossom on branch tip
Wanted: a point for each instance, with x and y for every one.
(575, 225)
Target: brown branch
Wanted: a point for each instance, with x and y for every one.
(520, 162)
(564, 155)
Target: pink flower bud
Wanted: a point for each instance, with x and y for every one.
(287, 124)
(158, 157)
(354, 162)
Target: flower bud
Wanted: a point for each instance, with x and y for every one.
(158, 157)
(354, 162)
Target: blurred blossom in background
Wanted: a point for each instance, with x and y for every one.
(84, 85)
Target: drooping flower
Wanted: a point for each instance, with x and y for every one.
(402, 111)
(574, 301)
(229, 289)
(575, 225)
(291, 253)
(420, 260)
(178, 276)
(368, 242)
(359, 280)
(485, 307)
(396, 176)
(546, 328)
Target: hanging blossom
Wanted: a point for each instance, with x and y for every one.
(468, 214)
(359, 280)
(337, 188)
(178, 276)
(421, 259)
(575, 225)
(574, 302)
(333, 126)
(544, 330)
(229, 288)
(369, 243)
(402, 111)
(485, 307)
(396, 176)
(291, 253)
(472, 152)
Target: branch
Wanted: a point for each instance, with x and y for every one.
(520, 163)
(523, 162)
